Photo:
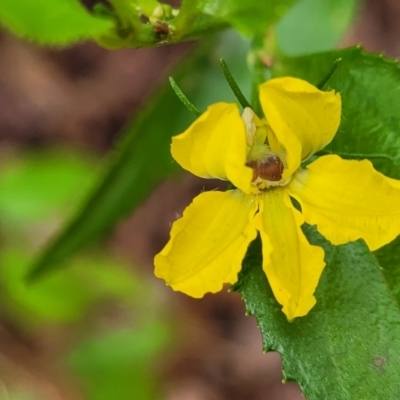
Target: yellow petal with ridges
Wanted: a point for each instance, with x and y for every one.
(292, 265)
(207, 245)
(214, 146)
(348, 200)
(303, 119)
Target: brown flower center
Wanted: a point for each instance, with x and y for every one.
(269, 168)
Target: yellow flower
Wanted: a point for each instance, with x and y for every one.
(346, 199)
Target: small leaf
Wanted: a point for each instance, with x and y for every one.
(51, 22)
(348, 347)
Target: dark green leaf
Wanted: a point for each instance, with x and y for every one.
(348, 347)
(143, 159)
(51, 22)
(370, 123)
(371, 102)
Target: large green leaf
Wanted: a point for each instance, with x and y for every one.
(51, 22)
(143, 158)
(371, 102)
(370, 123)
(348, 347)
(314, 25)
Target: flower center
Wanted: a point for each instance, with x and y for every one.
(269, 168)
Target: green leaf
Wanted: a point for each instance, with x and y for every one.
(371, 103)
(143, 159)
(51, 22)
(314, 25)
(65, 297)
(37, 186)
(250, 17)
(117, 365)
(348, 346)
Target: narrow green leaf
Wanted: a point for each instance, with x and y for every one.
(314, 25)
(348, 347)
(51, 22)
(143, 159)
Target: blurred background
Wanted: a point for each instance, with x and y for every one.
(103, 328)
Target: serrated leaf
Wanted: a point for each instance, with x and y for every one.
(143, 159)
(314, 25)
(368, 84)
(51, 22)
(348, 346)
(371, 103)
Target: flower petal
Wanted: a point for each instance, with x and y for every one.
(214, 146)
(293, 266)
(348, 200)
(393, 182)
(208, 243)
(303, 119)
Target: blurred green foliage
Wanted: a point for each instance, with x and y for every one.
(42, 185)
(120, 365)
(314, 25)
(39, 190)
(51, 22)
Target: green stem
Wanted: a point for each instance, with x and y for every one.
(182, 97)
(233, 85)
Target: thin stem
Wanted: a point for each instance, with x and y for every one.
(233, 85)
(329, 74)
(182, 97)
